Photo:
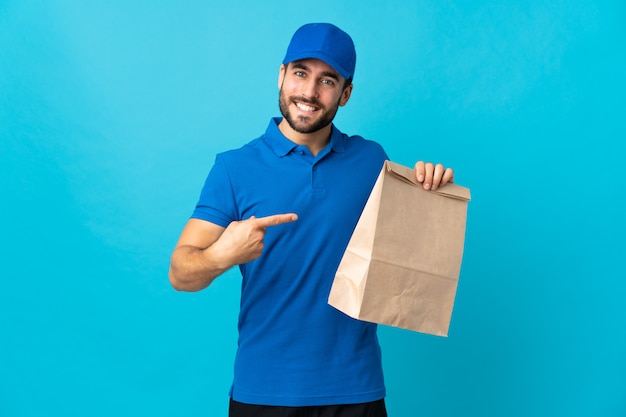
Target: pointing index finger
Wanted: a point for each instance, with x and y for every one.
(276, 219)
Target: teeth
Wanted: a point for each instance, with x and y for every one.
(304, 107)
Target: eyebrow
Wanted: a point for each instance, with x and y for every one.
(306, 68)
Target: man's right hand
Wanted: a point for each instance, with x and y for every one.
(206, 250)
(242, 241)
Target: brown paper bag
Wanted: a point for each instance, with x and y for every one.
(402, 264)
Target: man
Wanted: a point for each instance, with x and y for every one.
(283, 208)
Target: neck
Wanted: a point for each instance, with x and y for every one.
(315, 141)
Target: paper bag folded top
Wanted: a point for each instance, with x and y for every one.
(402, 264)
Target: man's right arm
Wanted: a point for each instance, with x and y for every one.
(193, 265)
(206, 250)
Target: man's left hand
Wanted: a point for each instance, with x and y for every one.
(433, 176)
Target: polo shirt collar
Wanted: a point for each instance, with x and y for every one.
(282, 146)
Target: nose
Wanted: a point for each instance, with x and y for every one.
(309, 88)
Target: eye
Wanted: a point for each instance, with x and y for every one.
(299, 74)
(328, 82)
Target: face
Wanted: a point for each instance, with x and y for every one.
(311, 91)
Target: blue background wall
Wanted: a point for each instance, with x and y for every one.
(111, 114)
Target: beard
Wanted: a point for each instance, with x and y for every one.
(304, 124)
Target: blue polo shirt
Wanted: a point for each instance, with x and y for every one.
(294, 349)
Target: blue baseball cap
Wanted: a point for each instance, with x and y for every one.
(326, 42)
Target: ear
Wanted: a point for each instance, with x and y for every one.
(281, 75)
(345, 95)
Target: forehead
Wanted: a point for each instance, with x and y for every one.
(315, 65)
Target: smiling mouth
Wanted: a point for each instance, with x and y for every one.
(306, 107)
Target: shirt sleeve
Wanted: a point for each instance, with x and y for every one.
(217, 203)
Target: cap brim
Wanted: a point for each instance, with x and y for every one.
(321, 56)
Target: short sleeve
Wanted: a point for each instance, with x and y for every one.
(217, 203)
